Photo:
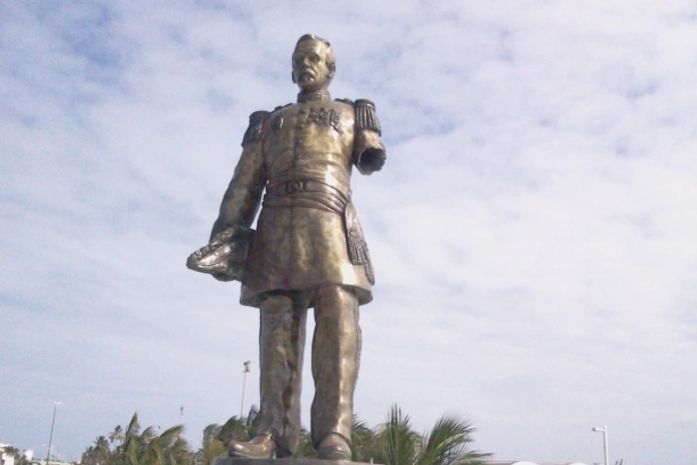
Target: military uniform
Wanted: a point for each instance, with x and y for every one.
(308, 251)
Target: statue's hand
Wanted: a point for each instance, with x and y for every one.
(223, 237)
(223, 277)
(371, 160)
(224, 256)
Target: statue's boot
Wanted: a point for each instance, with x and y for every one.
(262, 446)
(281, 345)
(334, 447)
(335, 357)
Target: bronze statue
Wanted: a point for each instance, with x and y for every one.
(308, 251)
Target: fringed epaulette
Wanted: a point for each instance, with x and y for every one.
(345, 100)
(281, 107)
(256, 123)
(366, 117)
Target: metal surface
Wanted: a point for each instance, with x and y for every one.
(50, 436)
(606, 453)
(308, 250)
(242, 461)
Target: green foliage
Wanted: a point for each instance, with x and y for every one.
(216, 437)
(131, 447)
(305, 449)
(97, 454)
(448, 444)
(396, 443)
(362, 441)
(392, 443)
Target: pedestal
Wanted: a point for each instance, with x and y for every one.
(238, 461)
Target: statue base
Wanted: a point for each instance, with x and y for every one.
(298, 461)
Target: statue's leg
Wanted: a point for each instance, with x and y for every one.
(335, 357)
(281, 344)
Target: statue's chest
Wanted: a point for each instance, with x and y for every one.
(303, 130)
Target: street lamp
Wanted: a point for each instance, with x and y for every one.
(603, 429)
(50, 436)
(244, 385)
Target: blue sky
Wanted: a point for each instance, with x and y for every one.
(533, 231)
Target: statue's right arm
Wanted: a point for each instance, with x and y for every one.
(368, 149)
(243, 195)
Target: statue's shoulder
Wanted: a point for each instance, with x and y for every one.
(256, 125)
(282, 107)
(366, 116)
(361, 103)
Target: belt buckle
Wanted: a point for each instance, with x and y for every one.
(296, 185)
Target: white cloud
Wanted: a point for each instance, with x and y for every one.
(533, 229)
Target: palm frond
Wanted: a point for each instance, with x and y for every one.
(170, 435)
(212, 450)
(133, 426)
(148, 435)
(159, 453)
(446, 443)
(362, 441)
(131, 450)
(252, 421)
(235, 427)
(117, 434)
(398, 442)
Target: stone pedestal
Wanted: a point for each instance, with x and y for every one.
(238, 461)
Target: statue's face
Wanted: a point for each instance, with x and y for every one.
(310, 69)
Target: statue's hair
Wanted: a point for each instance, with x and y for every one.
(331, 59)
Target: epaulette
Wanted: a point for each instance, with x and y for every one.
(345, 100)
(281, 107)
(366, 117)
(256, 122)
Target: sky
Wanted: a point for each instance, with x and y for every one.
(532, 232)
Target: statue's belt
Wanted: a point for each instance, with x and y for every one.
(305, 192)
(312, 193)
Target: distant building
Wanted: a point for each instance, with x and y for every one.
(50, 462)
(7, 454)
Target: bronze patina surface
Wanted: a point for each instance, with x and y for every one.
(308, 251)
(300, 461)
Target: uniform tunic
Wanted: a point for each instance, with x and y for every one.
(302, 155)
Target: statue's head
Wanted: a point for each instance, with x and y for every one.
(313, 63)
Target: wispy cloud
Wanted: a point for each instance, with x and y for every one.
(533, 230)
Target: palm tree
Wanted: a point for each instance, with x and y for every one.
(448, 443)
(396, 443)
(97, 454)
(117, 435)
(131, 447)
(211, 447)
(150, 448)
(240, 428)
(216, 437)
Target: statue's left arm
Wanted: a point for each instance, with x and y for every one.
(225, 254)
(242, 197)
(368, 149)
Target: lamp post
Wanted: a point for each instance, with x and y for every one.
(50, 436)
(603, 429)
(244, 385)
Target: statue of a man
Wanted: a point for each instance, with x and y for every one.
(308, 251)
